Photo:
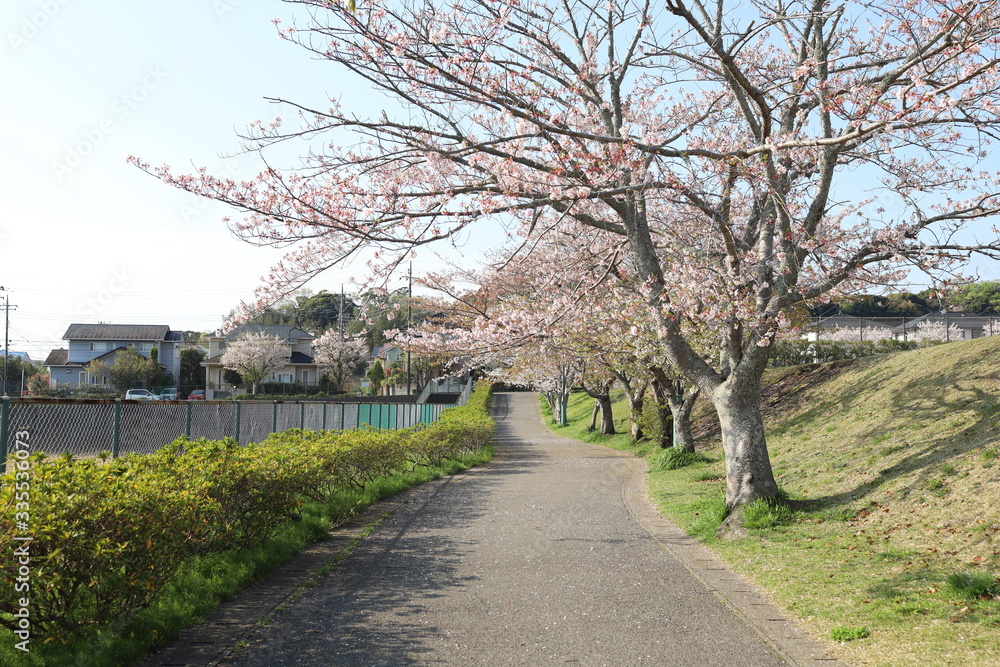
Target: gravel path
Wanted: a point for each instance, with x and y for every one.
(535, 559)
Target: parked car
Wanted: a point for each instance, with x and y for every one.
(168, 394)
(197, 395)
(140, 395)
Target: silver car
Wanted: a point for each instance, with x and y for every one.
(140, 395)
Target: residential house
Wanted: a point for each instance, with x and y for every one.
(300, 367)
(959, 326)
(23, 356)
(963, 325)
(391, 356)
(87, 342)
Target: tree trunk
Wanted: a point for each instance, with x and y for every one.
(748, 467)
(636, 403)
(602, 398)
(734, 388)
(679, 435)
(593, 417)
(664, 421)
(682, 420)
(636, 398)
(607, 417)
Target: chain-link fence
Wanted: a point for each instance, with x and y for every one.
(88, 427)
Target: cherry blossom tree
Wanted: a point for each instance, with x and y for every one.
(255, 355)
(855, 334)
(940, 332)
(338, 354)
(749, 156)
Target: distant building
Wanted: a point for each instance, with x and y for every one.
(23, 356)
(88, 342)
(300, 368)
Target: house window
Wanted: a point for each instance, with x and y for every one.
(305, 377)
(286, 377)
(83, 377)
(99, 347)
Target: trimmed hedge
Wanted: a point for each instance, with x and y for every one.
(799, 352)
(107, 535)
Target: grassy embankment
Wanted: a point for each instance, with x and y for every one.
(890, 552)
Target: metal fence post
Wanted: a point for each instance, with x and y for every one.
(4, 426)
(274, 417)
(324, 414)
(302, 415)
(187, 420)
(238, 403)
(116, 433)
(343, 415)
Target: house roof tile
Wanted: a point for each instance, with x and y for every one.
(57, 357)
(121, 332)
(283, 331)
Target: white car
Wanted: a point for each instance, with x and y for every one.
(140, 395)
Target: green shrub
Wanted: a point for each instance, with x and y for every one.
(105, 536)
(649, 421)
(846, 634)
(766, 513)
(798, 352)
(458, 430)
(108, 535)
(973, 585)
(673, 458)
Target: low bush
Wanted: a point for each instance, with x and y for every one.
(107, 535)
(458, 430)
(673, 458)
(798, 352)
(973, 585)
(766, 513)
(104, 537)
(845, 634)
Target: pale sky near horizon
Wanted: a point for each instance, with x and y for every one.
(86, 237)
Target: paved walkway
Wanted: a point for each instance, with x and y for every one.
(550, 554)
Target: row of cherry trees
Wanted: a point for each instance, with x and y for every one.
(257, 354)
(725, 160)
(559, 317)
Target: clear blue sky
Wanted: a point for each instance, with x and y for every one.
(85, 237)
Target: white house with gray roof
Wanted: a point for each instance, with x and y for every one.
(300, 367)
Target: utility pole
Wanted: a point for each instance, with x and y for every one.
(6, 335)
(340, 313)
(409, 318)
